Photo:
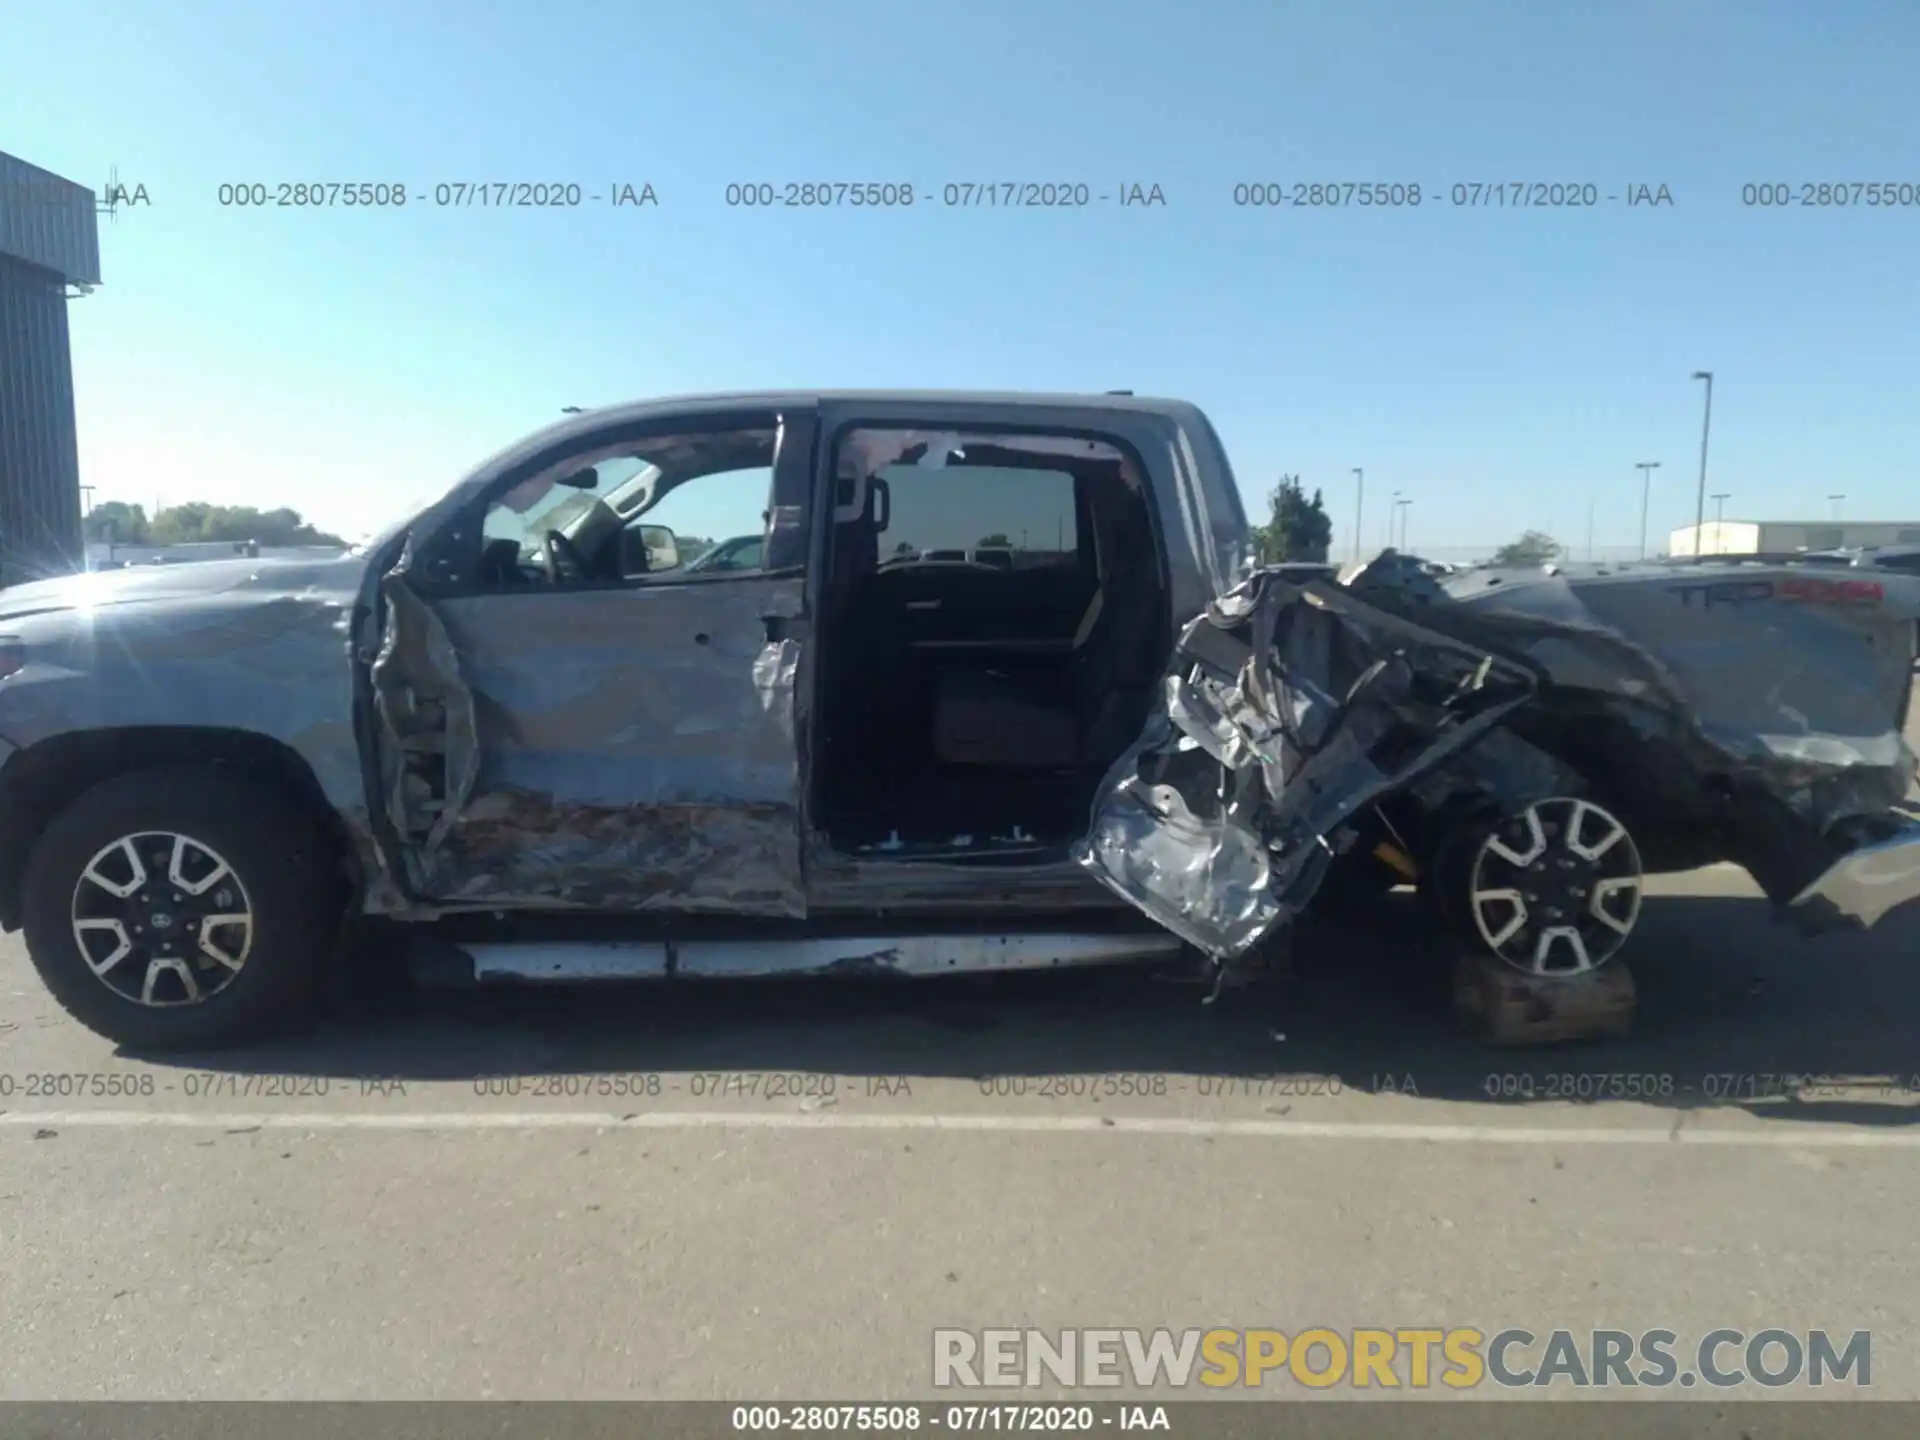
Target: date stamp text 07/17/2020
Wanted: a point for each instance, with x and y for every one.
(1055, 195)
(818, 1088)
(1514, 195)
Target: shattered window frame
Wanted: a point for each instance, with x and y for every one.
(1068, 440)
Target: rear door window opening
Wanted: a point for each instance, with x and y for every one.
(996, 625)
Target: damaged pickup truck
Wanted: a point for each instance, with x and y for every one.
(995, 687)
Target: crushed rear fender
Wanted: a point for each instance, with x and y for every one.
(1747, 711)
(1762, 699)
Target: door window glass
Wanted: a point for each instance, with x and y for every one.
(1004, 516)
(717, 521)
(652, 507)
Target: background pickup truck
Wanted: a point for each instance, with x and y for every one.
(517, 724)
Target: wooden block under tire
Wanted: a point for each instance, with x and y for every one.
(1503, 1006)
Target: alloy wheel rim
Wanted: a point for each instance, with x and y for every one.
(1555, 889)
(162, 919)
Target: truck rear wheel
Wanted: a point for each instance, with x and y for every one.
(1552, 889)
(181, 908)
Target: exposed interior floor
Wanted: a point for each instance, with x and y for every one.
(961, 807)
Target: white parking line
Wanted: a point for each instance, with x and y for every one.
(1793, 1135)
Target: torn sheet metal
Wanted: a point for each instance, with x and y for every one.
(517, 848)
(774, 673)
(1748, 712)
(1862, 886)
(636, 750)
(429, 750)
(1222, 820)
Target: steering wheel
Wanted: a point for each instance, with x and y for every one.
(558, 549)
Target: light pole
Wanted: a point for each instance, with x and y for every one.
(1646, 469)
(1836, 499)
(1405, 506)
(86, 509)
(1719, 511)
(1393, 514)
(1706, 425)
(1359, 507)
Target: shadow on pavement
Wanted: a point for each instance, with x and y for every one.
(1735, 1010)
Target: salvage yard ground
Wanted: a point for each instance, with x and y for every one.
(684, 1211)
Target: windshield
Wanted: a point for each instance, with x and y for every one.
(743, 552)
(544, 503)
(567, 506)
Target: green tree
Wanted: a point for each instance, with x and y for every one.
(995, 541)
(118, 523)
(180, 524)
(1297, 528)
(1535, 547)
(196, 522)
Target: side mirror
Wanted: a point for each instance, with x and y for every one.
(646, 548)
(661, 544)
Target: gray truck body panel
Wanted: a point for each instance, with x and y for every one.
(588, 756)
(648, 748)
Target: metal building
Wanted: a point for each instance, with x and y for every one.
(1783, 537)
(49, 246)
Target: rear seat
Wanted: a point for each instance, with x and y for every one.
(1004, 718)
(1118, 663)
(1015, 713)
(1084, 709)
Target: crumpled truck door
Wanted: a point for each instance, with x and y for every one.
(602, 748)
(1286, 710)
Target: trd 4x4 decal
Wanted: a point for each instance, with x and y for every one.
(1833, 592)
(1806, 589)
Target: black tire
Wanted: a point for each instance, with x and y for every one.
(1444, 879)
(283, 864)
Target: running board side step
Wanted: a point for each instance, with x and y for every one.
(859, 955)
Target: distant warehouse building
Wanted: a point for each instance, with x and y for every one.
(49, 244)
(1784, 537)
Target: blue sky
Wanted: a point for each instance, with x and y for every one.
(1504, 368)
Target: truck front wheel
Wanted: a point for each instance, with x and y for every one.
(181, 908)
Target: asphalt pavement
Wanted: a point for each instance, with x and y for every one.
(780, 1190)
